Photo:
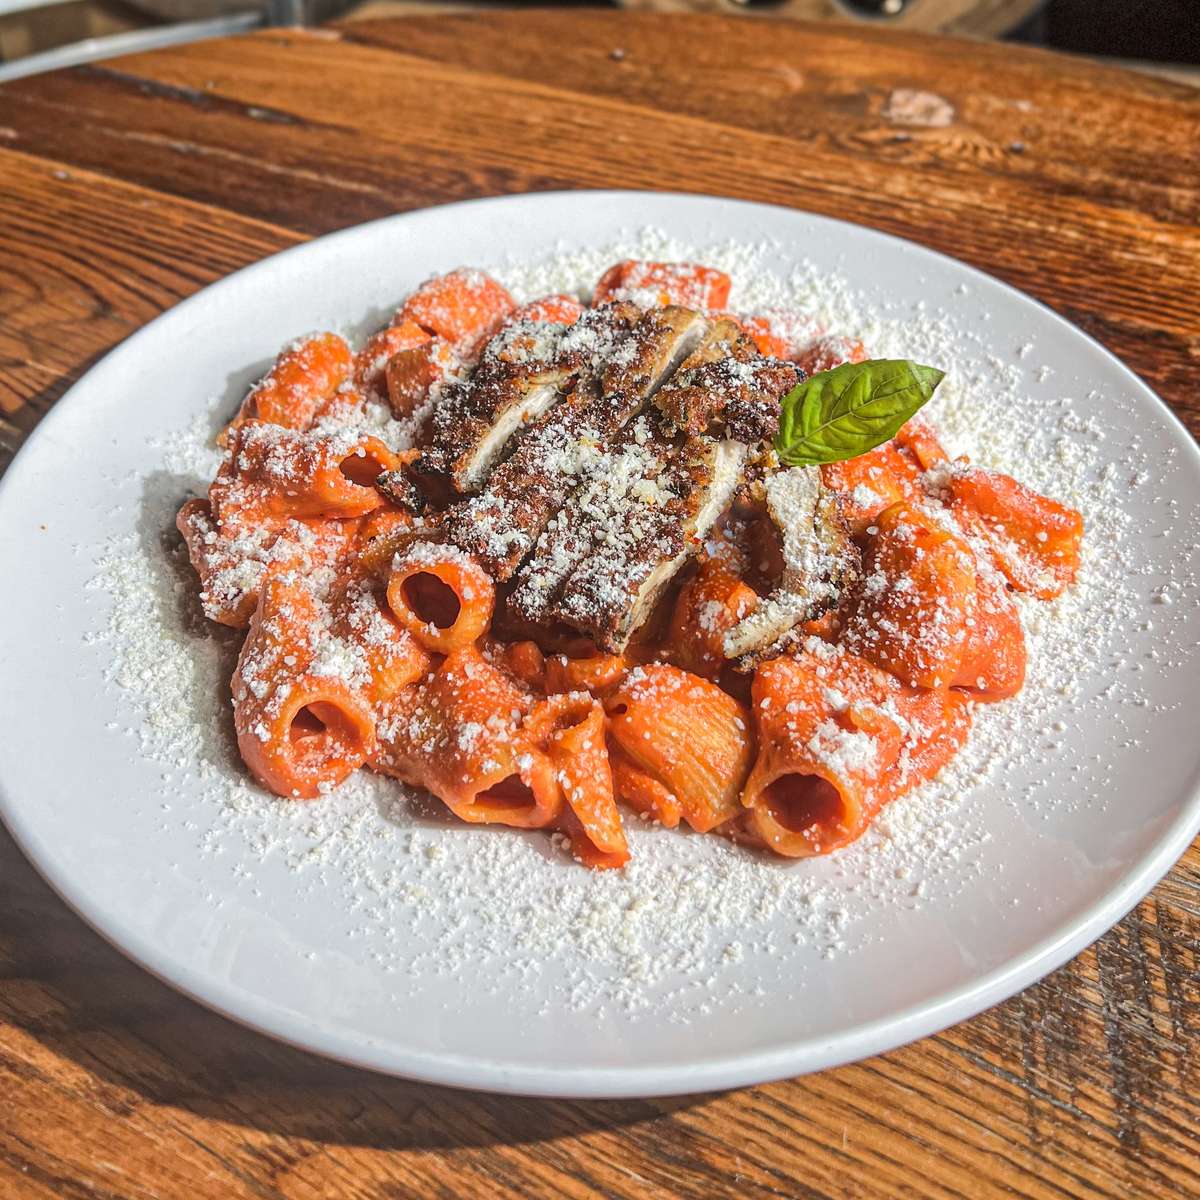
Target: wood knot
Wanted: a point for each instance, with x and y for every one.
(907, 106)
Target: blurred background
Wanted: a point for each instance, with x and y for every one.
(1162, 36)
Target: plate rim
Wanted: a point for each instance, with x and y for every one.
(791, 1058)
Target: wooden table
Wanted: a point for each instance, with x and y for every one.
(126, 186)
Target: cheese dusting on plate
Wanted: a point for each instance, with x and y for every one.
(661, 935)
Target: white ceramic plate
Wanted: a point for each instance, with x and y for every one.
(395, 940)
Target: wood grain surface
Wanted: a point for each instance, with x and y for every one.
(127, 185)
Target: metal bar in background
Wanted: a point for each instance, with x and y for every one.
(8, 7)
(134, 42)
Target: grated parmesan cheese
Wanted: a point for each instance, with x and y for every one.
(673, 932)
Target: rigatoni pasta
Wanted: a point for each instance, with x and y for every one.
(556, 562)
(461, 734)
(686, 734)
(440, 595)
(302, 727)
(305, 375)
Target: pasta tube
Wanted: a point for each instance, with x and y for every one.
(687, 735)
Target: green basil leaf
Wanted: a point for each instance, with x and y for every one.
(843, 413)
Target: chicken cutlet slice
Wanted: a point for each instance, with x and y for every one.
(726, 382)
(502, 523)
(641, 542)
(478, 416)
(626, 463)
(819, 562)
(661, 342)
(523, 372)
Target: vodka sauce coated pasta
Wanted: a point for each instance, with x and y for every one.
(581, 559)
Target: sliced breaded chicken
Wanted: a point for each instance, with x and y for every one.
(502, 524)
(819, 561)
(648, 535)
(662, 340)
(727, 384)
(629, 463)
(400, 490)
(523, 372)
(477, 418)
